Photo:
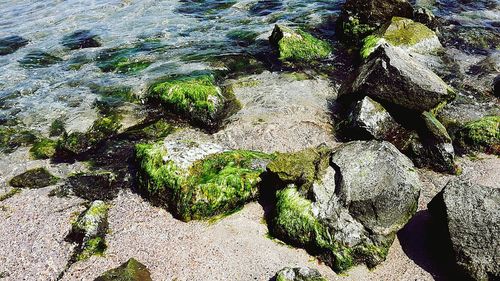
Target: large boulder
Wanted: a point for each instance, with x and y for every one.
(360, 17)
(199, 180)
(467, 216)
(348, 204)
(299, 274)
(393, 76)
(131, 270)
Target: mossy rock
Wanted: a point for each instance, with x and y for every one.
(81, 39)
(56, 128)
(298, 46)
(43, 149)
(96, 185)
(214, 185)
(242, 37)
(34, 178)
(10, 44)
(12, 138)
(435, 129)
(132, 270)
(196, 97)
(38, 59)
(480, 135)
(126, 60)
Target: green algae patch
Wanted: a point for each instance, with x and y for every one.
(132, 270)
(38, 59)
(354, 31)
(56, 128)
(480, 135)
(12, 138)
(43, 149)
(217, 184)
(301, 168)
(34, 178)
(402, 31)
(370, 43)
(126, 60)
(196, 97)
(94, 246)
(298, 46)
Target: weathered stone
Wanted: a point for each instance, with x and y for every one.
(35, 178)
(131, 270)
(467, 216)
(299, 274)
(394, 76)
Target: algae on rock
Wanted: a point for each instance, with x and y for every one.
(480, 135)
(131, 270)
(34, 178)
(203, 187)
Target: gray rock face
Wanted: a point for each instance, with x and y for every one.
(469, 215)
(394, 76)
(378, 184)
(299, 274)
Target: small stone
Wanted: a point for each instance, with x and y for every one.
(299, 274)
(35, 178)
(132, 270)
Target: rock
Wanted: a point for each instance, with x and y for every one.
(197, 180)
(472, 39)
(298, 46)
(12, 138)
(466, 215)
(392, 75)
(38, 59)
(81, 39)
(480, 135)
(360, 17)
(358, 199)
(43, 149)
(89, 231)
(196, 97)
(404, 33)
(35, 178)
(426, 17)
(10, 44)
(496, 86)
(299, 274)
(132, 270)
(130, 59)
(435, 129)
(98, 185)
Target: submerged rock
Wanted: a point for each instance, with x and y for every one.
(360, 17)
(131, 270)
(353, 208)
(10, 44)
(196, 97)
(81, 39)
(38, 59)
(12, 138)
(392, 75)
(466, 216)
(197, 180)
(35, 178)
(298, 46)
(299, 274)
(126, 60)
(404, 33)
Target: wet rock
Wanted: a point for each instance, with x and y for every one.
(479, 77)
(242, 37)
(426, 17)
(360, 17)
(266, 7)
(197, 180)
(392, 75)
(89, 231)
(480, 135)
(38, 59)
(470, 39)
(131, 270)
(466, 216)
(43, 149)
(196, 97)
(299, 274)
(404, 33)
(81, 39)
(98, 185)
(128, 59)
(10, 44)
(298, 46)
(35, 178)
(353, 208)
(11, 138)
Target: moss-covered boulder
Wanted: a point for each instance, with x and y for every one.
(352, 210)
(404, 33)
(480, 135)
(81, 39)
(197, 180)
(361, 17)
(43, 149)
(131, 270)
(10, 44)
(38, 59)
(197, 97)
(297, 46)
(299, 274)
(34, 178)
(127, 59)
(89, 230)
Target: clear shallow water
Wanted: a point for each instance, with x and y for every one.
(175, 35)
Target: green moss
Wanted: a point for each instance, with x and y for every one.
(126, 60)
(483, 135)
(369, 45)
(299, 46)
(94, 246)
(43, 149)
(354, 31)
(402, 31)
(132, 270)
(9, 194)
(212, 186)
(301, 168)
